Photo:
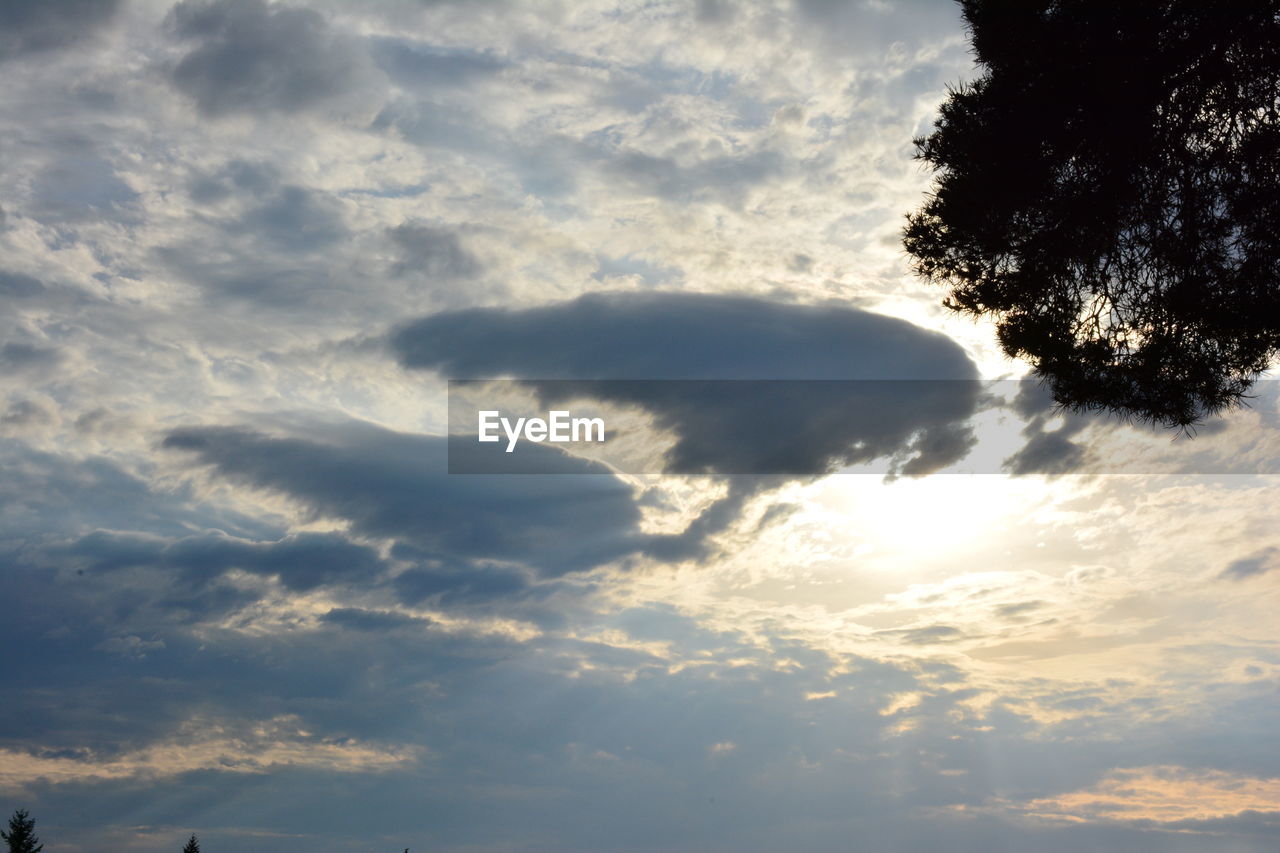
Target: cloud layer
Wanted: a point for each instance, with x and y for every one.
(622, 347)
(242, 244)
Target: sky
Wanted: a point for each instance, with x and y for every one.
(243, 247)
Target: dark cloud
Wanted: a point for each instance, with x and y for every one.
(21, 357)
(394, 485)
(450, 586)
(675, 335)
(57, 495)
(28, 414)
(235, 178)
(925, 636)
(1049, 453)
(1068, 447)
(1019, 608)
(434, 125)
(715, 12)
(120, 659)
(417, 65)
(547, 729)
(301, 561)
(279, 283)
(34, 26)
(18, 285)
(432, 252)
(358, 619)
(862, 396)
(269, 241)
(800, 263)
(1266, 560)
(295, 219)
(1046, 452)
(254, 56)
(81, 186)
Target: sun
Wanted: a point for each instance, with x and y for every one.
(934, 515)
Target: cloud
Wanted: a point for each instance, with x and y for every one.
(432, 252)
(634, 267)
(417, 65)
(250, 56)
(273, 746)
(36, 26)
(726, 177)
(358, 619)
(451, 585)
(301, 561)
(854, 26)
(130, 709)
(262, 239)
(927, 635)
(674, 335)
(15, 285)
(82, 187)
(262, 283)
(1266, 560)
(236, 176)
(54, 496)
(19, 357)
(296, 219)
(25, 414)
(394, 485)
(714, 12)
(303, 635)
(795, 428)
(1050, 452)
(1177, 797)
(1018, 609)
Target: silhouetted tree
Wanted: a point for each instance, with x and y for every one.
(193, 845)
(21, 836)
(1108, 190)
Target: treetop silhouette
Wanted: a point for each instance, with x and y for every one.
(1109, 192)
(21, 836)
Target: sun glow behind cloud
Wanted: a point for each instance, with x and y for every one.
(205, 745)
(1164, 795)
(931, 517)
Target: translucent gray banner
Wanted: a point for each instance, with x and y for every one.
(804, 428)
